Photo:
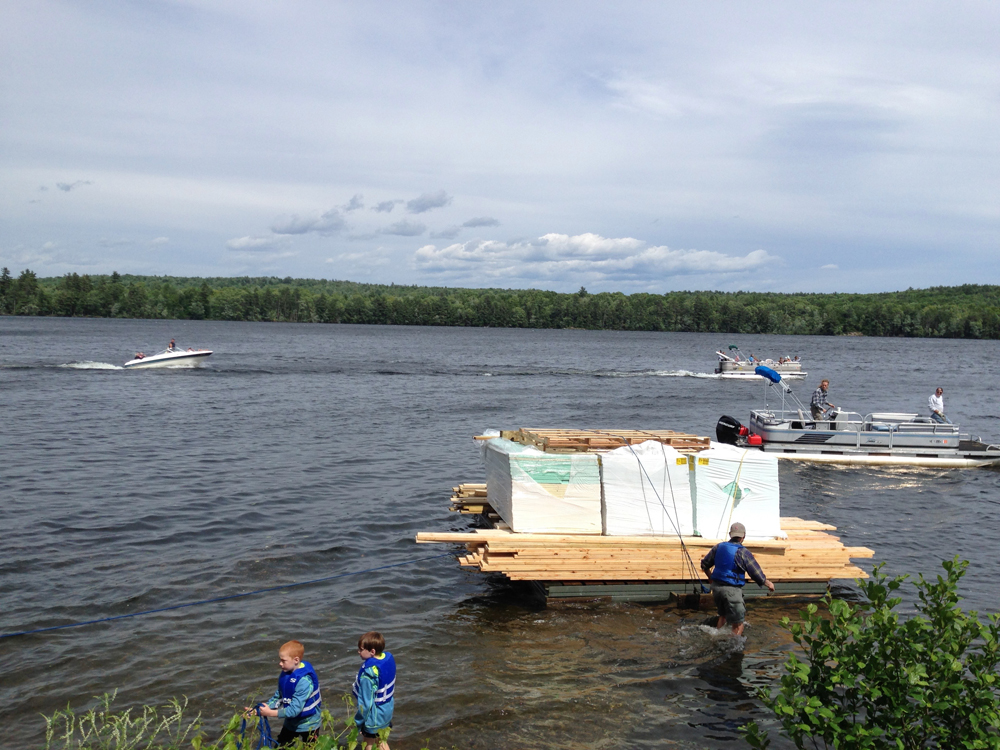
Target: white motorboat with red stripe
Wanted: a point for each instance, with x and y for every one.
(170, 358)
(876, 439)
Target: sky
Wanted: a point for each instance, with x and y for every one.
(627, 146)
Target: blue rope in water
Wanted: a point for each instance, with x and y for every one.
(222, 598)
(264, 727)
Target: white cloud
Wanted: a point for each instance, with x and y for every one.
(562, 257)
(829, 267)
(67, 186)
(355, 203)
(385, 206)
(159, 241)
(405, 228)
(481, 221)
(428, 201)
(448, 233)
(327, 223)
(252, 243)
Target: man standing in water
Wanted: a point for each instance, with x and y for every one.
(727, 564)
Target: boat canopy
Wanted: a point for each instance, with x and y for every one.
(732, 347)
(767, 372)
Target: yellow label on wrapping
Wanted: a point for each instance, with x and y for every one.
(682, 460)
(703, 462)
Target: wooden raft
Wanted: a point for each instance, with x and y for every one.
(809, 554)
(579, 441)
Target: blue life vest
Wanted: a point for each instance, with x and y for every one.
(385, 670)
(725, 570)
(286, 687)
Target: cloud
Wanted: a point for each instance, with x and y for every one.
(405, 228)
(355, 203)
(448, 233)
(252, 243)
(428, 201)
(159, 241)
(326, 223)
(386, 207)
(560, 256)
(67, 186)
(43, 189)
(482, 221)
(829, 267)
(362, 236)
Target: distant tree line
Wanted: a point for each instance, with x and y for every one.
(969, 311)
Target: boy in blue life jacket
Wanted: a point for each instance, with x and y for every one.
(297, 698)
(373, 688)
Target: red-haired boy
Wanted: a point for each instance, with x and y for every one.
(297, 699)
(373, 688)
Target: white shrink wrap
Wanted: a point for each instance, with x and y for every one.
(543, 493)
(734, 484)
(647, 491)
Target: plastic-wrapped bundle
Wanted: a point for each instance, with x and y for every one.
(647, 491)
(733, 484)
(534, 491)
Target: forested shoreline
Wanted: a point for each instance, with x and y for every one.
(968, 311)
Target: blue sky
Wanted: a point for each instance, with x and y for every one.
(642, 146)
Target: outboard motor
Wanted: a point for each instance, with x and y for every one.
(729, 430)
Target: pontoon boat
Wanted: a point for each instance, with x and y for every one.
(735, 364)
(879, 438)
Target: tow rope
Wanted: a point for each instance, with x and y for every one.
(264, 729)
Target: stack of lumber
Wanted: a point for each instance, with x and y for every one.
(810, 553)
(575, 441)
(470, 499)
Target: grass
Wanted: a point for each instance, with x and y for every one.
(167, 728)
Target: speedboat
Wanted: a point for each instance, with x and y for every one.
(170, 358)
(845, 437)
(735, 364)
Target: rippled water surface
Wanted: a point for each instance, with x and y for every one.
(304, 451)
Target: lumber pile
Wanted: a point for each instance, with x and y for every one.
(809, 553)
(577, 441)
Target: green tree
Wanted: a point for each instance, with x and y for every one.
(871, 680)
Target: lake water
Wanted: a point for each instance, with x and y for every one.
(304, 451)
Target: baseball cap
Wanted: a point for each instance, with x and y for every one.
(737, 529)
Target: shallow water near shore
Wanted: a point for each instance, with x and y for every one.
(305, 451)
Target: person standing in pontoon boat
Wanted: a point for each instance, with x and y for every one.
(936, 403)
(171, 346)
(819, 406)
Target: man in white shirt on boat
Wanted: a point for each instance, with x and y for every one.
(936, 403)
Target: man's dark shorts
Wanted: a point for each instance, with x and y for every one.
(369, 735)
(729, 602)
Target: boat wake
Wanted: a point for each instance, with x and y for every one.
(91, 366)
(660, 374)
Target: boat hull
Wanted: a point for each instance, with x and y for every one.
(744, 370)
(180, 359)
(955, 461)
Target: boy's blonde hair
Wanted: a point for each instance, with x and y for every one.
(294, 649)
(372, 641)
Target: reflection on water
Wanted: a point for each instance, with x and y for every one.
(305, 451)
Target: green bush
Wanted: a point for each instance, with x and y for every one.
(873, 680)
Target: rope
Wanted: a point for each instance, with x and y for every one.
(221, 598)
(690, 562)
(736, 488)
(263, 726)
